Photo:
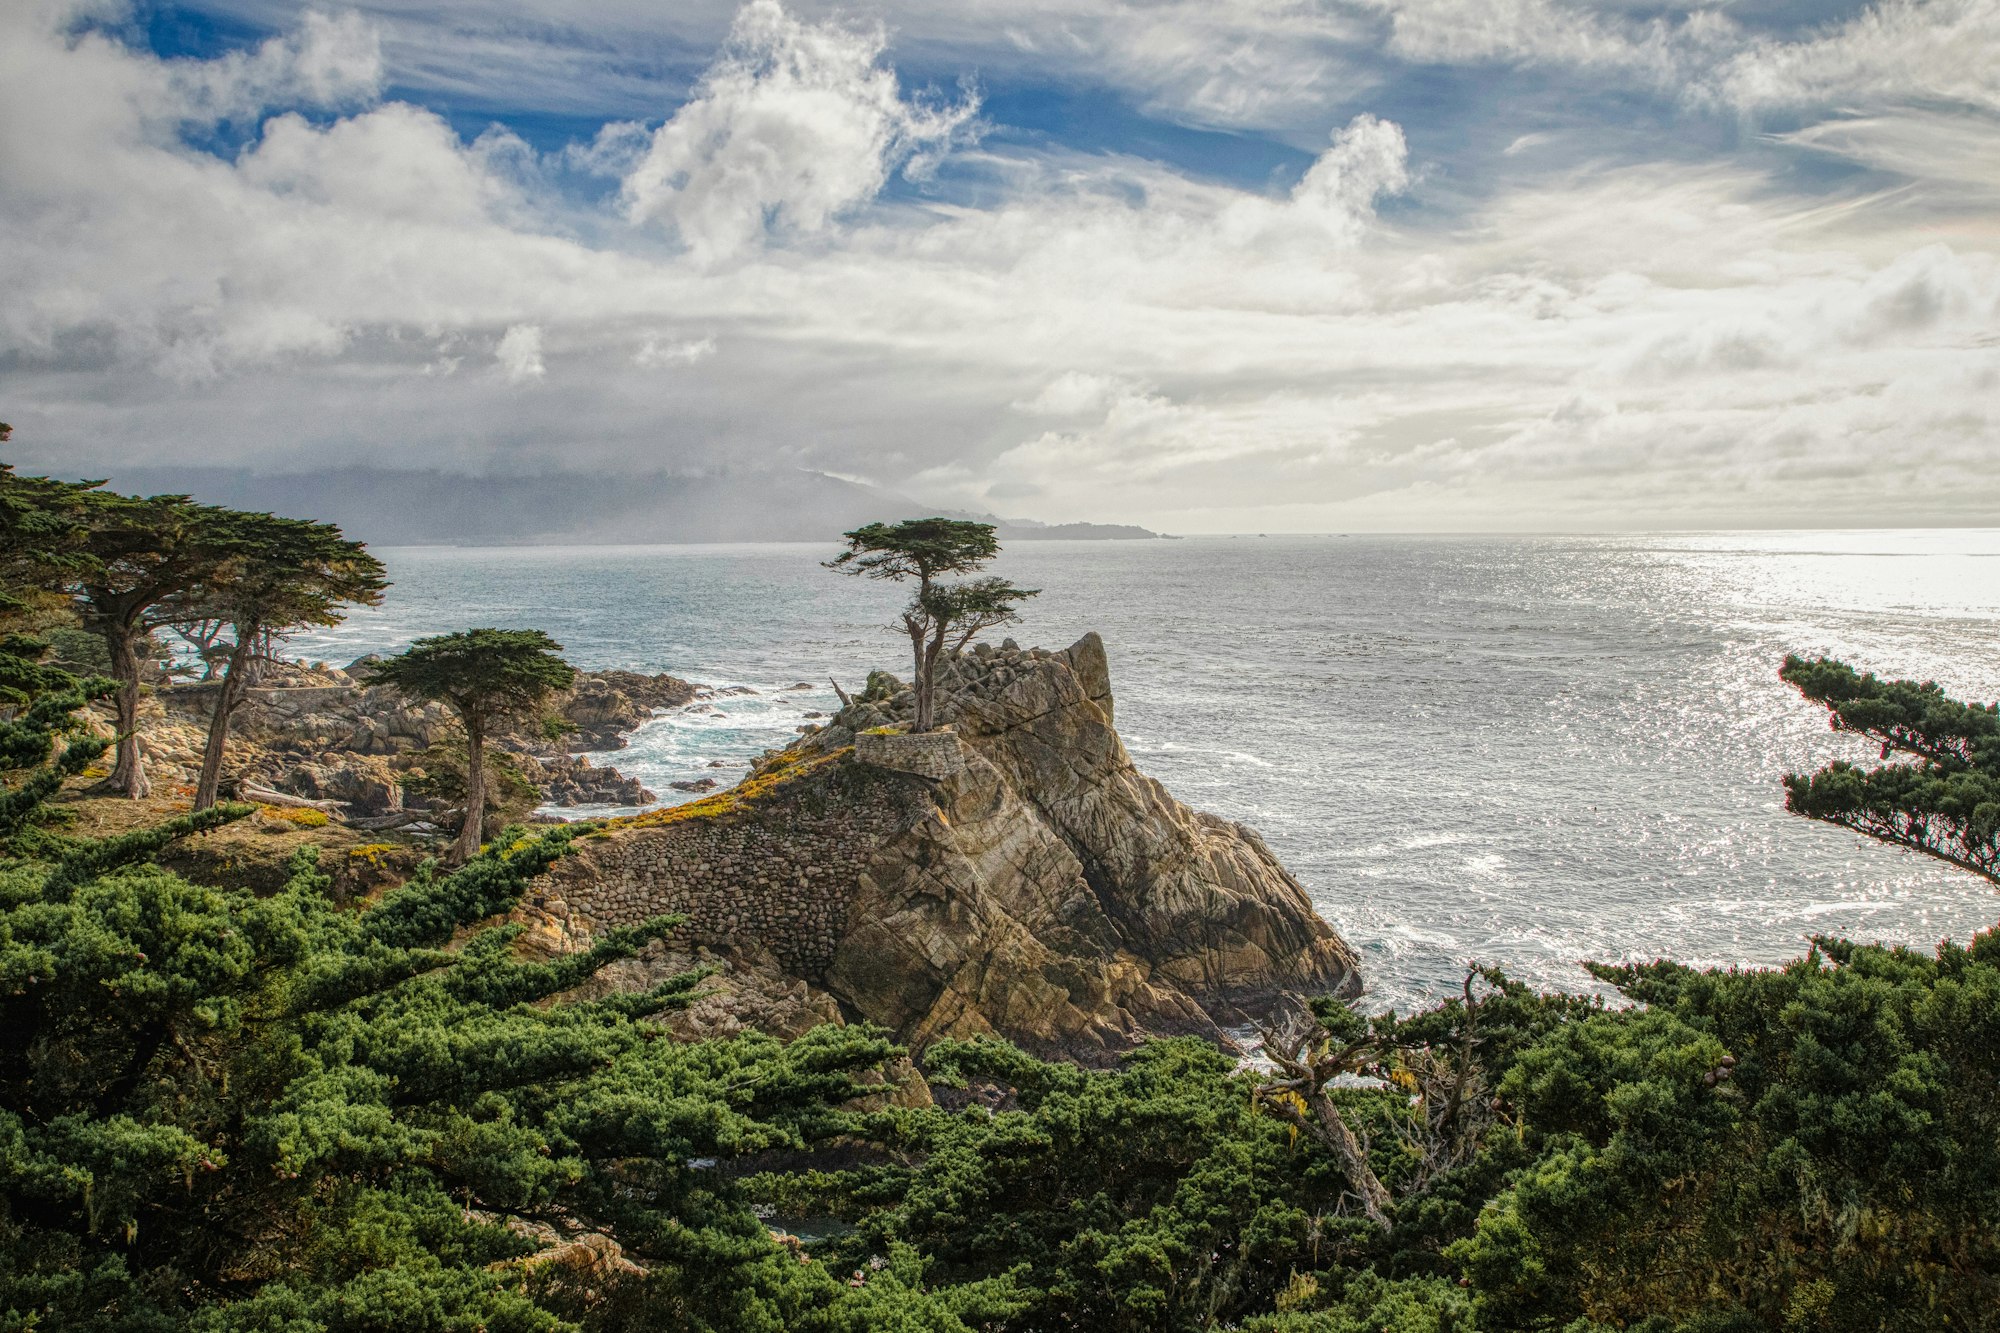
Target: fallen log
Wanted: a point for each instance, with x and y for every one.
(265, 796)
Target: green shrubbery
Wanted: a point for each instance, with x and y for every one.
(226, 1112)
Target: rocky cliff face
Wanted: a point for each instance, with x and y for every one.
(1026, 880)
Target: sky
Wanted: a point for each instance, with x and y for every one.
(1246, 265)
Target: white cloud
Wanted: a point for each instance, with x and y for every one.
(1073, 393)
(1655, 49)
(658, 352)
(519, 354)
(1895, 51)
(1638, 343)
(1953, 149)
(795, 125)
(1368, 160)
(331, 61)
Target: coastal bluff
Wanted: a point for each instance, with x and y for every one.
(1013, 875)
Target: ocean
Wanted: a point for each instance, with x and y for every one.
(1525, 751)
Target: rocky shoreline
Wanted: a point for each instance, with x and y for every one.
(314, 733)
(1012, 873)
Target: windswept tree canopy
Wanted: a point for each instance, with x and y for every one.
(277, 573)
(939, 615)
(964, 611)
(272, 575)
(924, 549)
(43, 548)
(481, 674)
(129, 559)
(1944, 802)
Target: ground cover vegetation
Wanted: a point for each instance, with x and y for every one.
(227, 1107)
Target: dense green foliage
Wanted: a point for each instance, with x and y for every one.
(1945, 804)
(227, 1112)
(939, 615)
(482, 675)
(118, 563)
(75, 557)
(1816, 1147)
(223, 1112)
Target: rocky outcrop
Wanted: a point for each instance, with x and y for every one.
(317, 732)
(1044, 890)
(604, 706)
(566, 779)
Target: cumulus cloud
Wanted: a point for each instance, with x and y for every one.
(330, 61)
(519, 354)
(1368, 159)
(795, 125)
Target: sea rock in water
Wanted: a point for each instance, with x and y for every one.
(567, 780)
(1047, 891)
(605, 705)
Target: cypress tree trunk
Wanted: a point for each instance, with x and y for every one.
(920, 682)
(475, 790)
(234, 681)
(931, 652)
(128, 772)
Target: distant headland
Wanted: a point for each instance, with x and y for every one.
(411, 507)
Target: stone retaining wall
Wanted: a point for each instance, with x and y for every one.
(931, 754)
(783, 878)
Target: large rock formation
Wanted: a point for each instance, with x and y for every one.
(1019, 876)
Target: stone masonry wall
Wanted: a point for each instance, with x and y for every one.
(782, 877)
(933, 754)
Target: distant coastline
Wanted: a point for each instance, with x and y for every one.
(411, 507)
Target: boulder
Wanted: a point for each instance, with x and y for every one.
(366, 784)
(603, 706)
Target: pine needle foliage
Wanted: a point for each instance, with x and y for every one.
(1942, 801)
(1811, 1147)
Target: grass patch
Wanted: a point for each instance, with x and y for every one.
(296, 815)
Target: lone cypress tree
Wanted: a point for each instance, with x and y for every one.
(275, 574)
(927, 549)
(1945, 804)
(482, 675)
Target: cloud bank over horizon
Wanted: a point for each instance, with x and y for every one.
(1272, 265)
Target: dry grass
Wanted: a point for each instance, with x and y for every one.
(252, 852)
(762, 782)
